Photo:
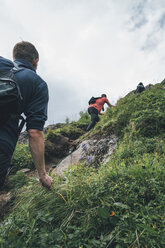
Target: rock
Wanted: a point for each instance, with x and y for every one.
(91, 152)
(73, 135)
(58, 147)
(149, 86)
(71, 159)
(24, 170)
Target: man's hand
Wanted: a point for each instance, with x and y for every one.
(36, 143)
(46, 181)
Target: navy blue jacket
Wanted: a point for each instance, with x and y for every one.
(34, 105)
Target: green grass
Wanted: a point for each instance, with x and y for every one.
(91, 210)
(22, 158)
(142, 112)
(120, 205)
(71, 130)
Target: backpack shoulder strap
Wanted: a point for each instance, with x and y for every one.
(19, 118)
(16, 68)
(23, 120)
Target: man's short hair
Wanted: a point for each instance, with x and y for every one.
(103, 95)
(25, 50)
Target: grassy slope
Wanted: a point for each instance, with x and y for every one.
(22, 157)
(122, 204)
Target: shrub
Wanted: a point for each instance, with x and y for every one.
(22, 158)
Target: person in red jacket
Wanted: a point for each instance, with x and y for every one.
(94, 110)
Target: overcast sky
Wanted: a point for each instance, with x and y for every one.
(88, 47)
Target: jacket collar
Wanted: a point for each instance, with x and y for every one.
(22, 63)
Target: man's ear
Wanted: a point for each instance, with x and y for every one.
(35, 63)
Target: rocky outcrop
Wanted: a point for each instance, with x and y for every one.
(149, 86)
(58, 147)
(91, 152)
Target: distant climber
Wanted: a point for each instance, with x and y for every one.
(140, 88)
(96, 104)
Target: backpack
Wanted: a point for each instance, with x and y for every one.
(93, 100)
(10, 96)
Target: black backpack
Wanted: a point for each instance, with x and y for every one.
(10, 96)
(93, 100)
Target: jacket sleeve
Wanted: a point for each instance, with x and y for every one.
(106, 100)
(36, 111)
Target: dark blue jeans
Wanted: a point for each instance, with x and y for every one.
(4, 165)
(94, 117)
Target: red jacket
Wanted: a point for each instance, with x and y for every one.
(99, 103)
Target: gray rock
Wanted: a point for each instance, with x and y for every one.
(91, 152)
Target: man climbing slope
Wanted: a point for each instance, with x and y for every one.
(33, 103)
(95, 107)
(140, 88)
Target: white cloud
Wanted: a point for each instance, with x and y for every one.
(88, 47)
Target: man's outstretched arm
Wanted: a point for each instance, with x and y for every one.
(110, 105)
(37, 148)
